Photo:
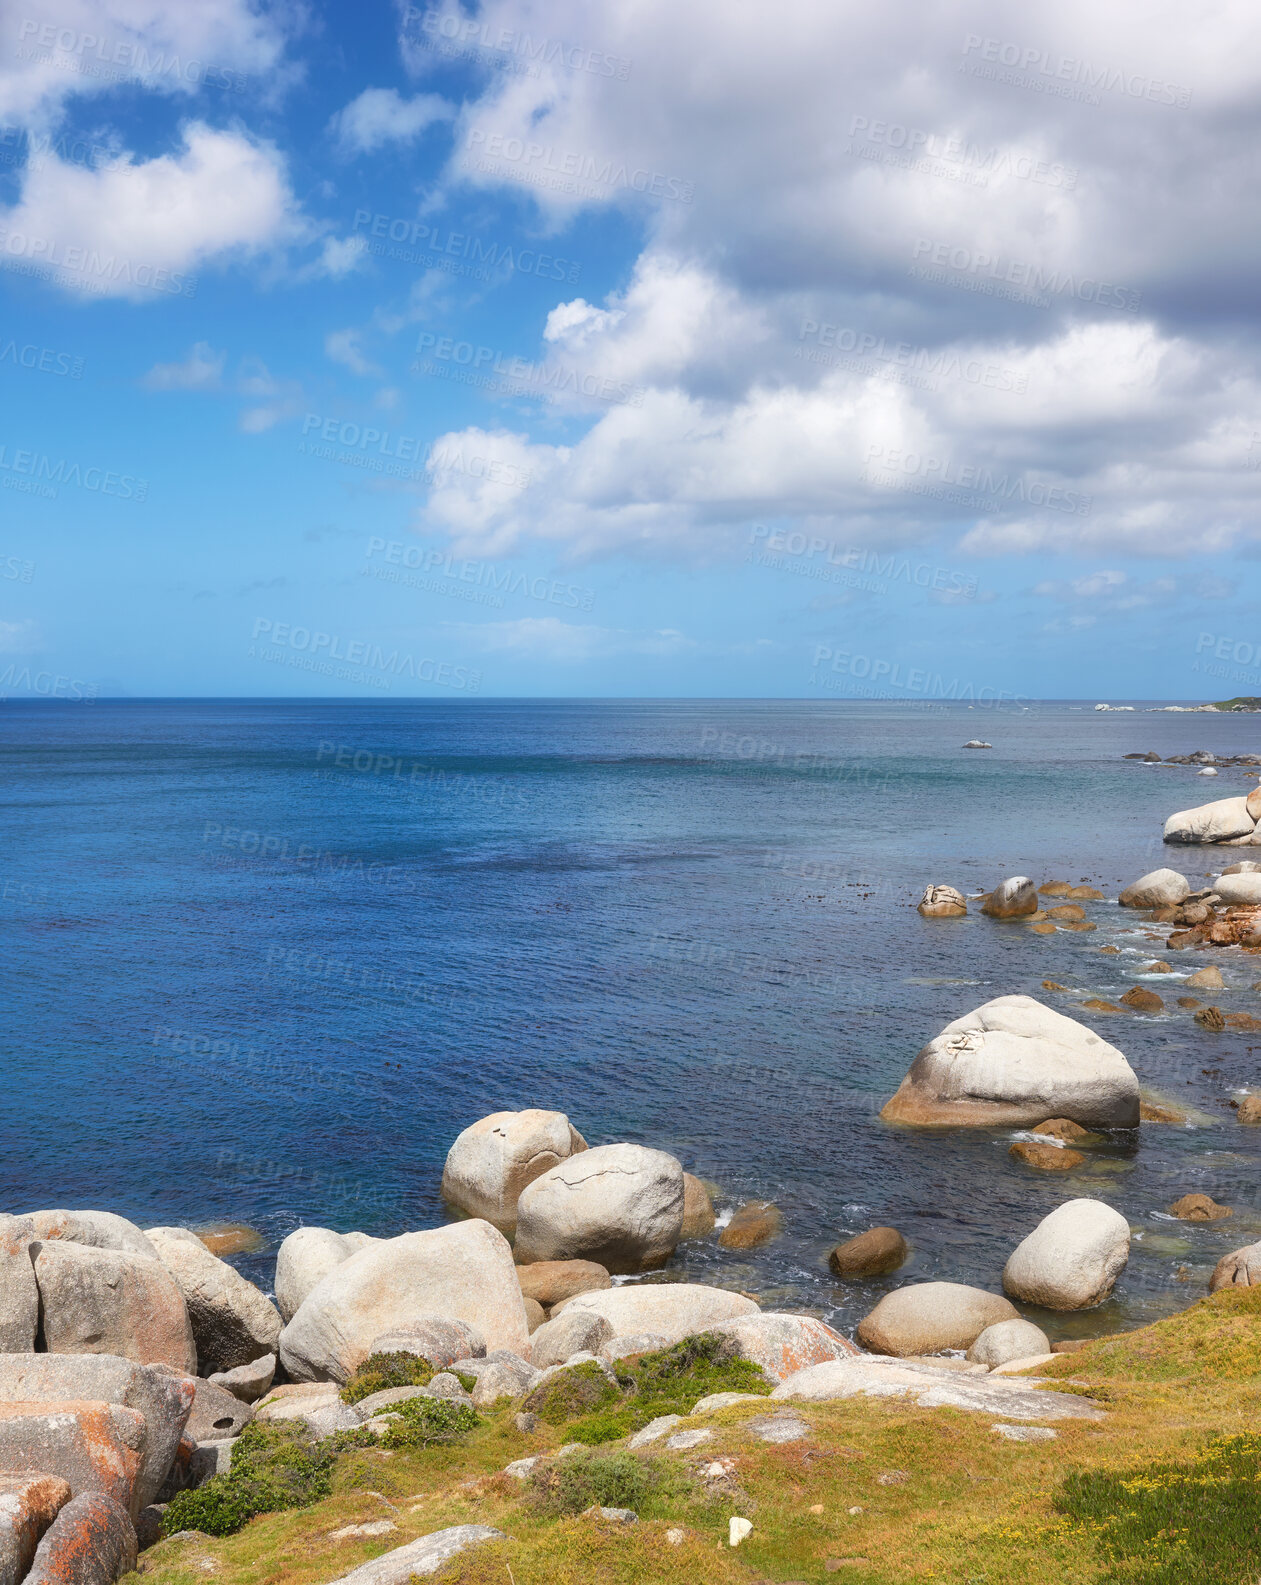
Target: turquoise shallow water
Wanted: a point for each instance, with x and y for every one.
(269, 957)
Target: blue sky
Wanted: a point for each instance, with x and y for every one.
(562, 349)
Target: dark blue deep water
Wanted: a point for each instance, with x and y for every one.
(267, 958)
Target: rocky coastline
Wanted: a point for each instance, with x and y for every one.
(143, 1378)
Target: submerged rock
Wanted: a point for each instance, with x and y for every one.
(754, 1224)
(1199, 1208)
(698, 1209)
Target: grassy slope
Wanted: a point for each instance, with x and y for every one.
(972, 1506)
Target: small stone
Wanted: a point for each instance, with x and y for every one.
(874, 1253)
(855, 1510)
(1025, 1433)
(1207, 979)
(526, 1422)
(1153, 1112)
(1158, 967)
(753, 1225)
(815, 1507)
(737, 1530)
(613, 1515)
(654, 1430)
(1050, 985)
(1047, 1158)
(1199, 1208)
(1098, 1005)
(675, 1536)
(1210, 1018)
(520, 1468)
(1061, 1128)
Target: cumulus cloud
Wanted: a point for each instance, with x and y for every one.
(141, 228)
(863, 247)
(380, 116)
(56, 49)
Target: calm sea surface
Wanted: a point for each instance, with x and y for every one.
(267, 958)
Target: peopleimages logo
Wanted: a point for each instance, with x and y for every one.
(1068, 69)
(987, 268)
(432, 243)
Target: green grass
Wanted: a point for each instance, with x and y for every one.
(579, 1390)
(1195, 1522)
(606, 1480)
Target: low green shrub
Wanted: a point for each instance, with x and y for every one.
(578, 1390)
(424, 1422)
(604, 1480)
(1193, 1523)
(671, 1381)
(275, 1466)
(381, 1371)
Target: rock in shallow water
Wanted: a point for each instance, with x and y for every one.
(1072, 1258)
(756, 1223)
(1013, 898)
(495, 1159)
(874, 1253)
(927, 1317)
(1014, 1061)
(619, 1205)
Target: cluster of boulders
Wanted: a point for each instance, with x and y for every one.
(103, 1415)
(1200, 757)
(1016, 898)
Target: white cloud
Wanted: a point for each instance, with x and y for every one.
(141, 229)
(548, 638)
(201, 370)
(381, 115)
(55, 49)
(802, 209)
(19, 638)
(338, 257)
(273, 400)
(342, 346)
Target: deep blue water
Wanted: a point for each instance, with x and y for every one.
(249, 983)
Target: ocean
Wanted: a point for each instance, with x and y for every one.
(268, 957)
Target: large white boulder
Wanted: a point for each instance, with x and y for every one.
(878, 1376)
(927, 1317)
(1013, 1062)
(492, 1161)
(464, 1271)
(233, 1323)
(109, 1301)
(672, 1310)
(95, 1229)
(306, 1257)
(1234, 889)
(1156, 889)
(620, 1205)
(784, 1344)
(1071, 1259)
(1222, 821)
